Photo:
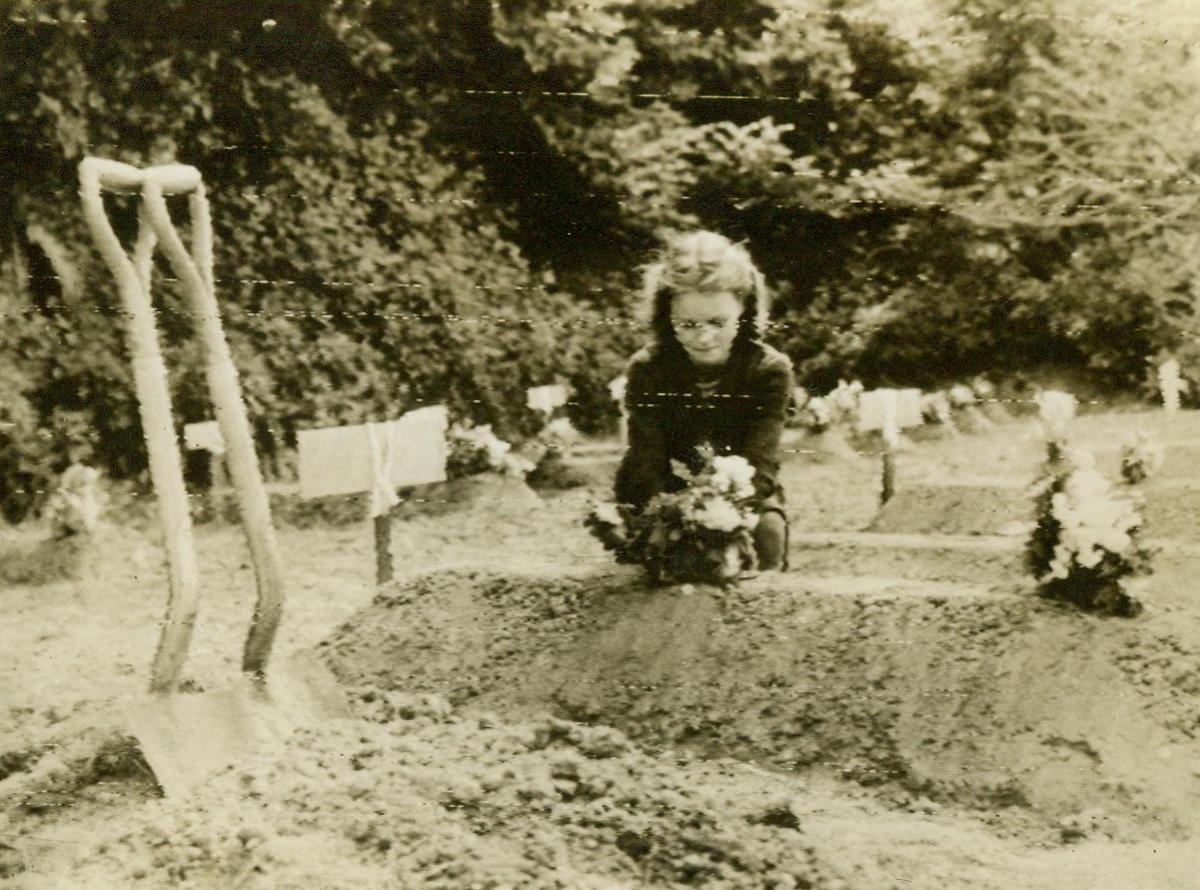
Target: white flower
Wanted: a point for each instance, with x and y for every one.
(1080, 458)
(1093, 524)
(560, 432)
(1085, 485)
(983, 388)
(616, 388)
(935, 408)
(819, 411)
(734, 474)
(1141, 457)
(607, 513)
(961, 396)
(718, 514)
(680, 470)
(1089, 557)
(77, 502)
(496, 450)
(844, 397)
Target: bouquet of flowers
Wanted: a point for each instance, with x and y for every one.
(935, 408)
(961, 396)
(796, 413)
(983, 388)
(476, 449)
(843, 399)
(1086, 541)
(702, 533)
(819, 413)
(74, 507)
(556, 437)
(1141, 458)
(546, 452)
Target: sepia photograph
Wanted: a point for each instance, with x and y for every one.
(615, 445)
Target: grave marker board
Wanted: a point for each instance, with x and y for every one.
(547, 398)
(377, 458)
(879, 407)
(337, 460)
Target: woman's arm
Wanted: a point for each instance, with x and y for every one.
(770, 391)
(645, 467)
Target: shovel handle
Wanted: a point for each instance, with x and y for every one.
(154, 409)
(195, 273)
(114, 176)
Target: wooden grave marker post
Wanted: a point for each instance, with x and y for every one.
(206, 436)
(616, 389)
(889, 411)
(376, 458)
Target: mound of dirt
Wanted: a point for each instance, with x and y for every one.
(962, 695)
(955, 509)
(44, 561)
(411, 794)
(1170, 508)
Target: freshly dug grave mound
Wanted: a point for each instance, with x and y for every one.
(977, 561)
(985, 700)
(43, 561)
(410, 794)
(1170, 508)
(923, 508)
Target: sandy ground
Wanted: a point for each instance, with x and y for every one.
(896, 711)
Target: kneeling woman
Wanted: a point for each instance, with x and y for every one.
(707, 377)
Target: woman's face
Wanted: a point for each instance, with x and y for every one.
(706, 325)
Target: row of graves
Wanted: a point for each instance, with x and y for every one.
(596, 656)
(1102, 510)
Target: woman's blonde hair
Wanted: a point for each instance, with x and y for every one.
(703, 262)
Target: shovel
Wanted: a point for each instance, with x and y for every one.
(185, 738)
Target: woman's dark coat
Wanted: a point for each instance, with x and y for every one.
(669, 414)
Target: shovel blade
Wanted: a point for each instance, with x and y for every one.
(188, 738)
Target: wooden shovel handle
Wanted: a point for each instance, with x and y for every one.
(154, 408)
(113, 176)
(226, 397)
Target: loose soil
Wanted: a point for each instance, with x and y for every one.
(528, 715)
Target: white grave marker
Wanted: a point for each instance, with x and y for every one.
(1056, 409)
(377, 458)
(1170, 384)
(908, 408)
(889, 411)
(206, 436)
(616, 389)
(547, 398)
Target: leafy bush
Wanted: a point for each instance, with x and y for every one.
(447, 201)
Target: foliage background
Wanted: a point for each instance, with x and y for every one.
(448, 200)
